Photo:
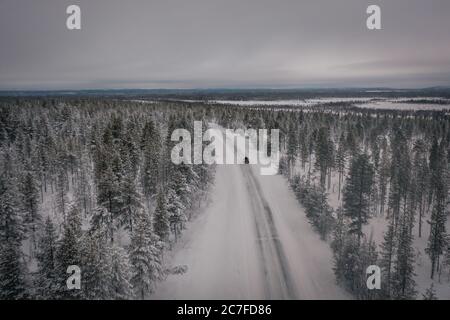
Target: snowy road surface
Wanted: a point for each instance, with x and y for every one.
(252, 242)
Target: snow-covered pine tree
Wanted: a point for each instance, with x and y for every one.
(388, 250)
(292, 146)
(323, 153)
(319, 211)
(383, 175)
(437, 239)
(433, 164)
(96, 265)
(338, 245)
(120, 278)
(130, 198)
(430, 293)
(400, 179)
(12, 268)
(83, 188)
(129, 148)
(346, 264)
(30, 197)
(145, 257)
(356, 194)
(340, 161)
(161, 223)
(108, 194)
(69, 253)
(303, 144)
(12, 271)
(45, 277)
(102, 219)
(367, 256)
(421, 170)
(151, 148)
(61, 192)
(403, 284)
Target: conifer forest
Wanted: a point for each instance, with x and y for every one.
(89, 181)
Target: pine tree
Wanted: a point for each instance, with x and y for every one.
(292, 146)
(109, 177)
(96, 265)
(388, 250)
(45, 278)
(421, 172)
(304, 145)
(175, 216)
(383, 174)
(145, 255)
(102, 219)
(120, 282)
(130, 198)
(356, 195)
(403, 279)
(161, 219)
(430, 293)
(30, 196)
(323, 153)
(151, 146)
(346, 264)
(318, 211)
(83, 192)
(338, 245)
(340, 163)
(437, 238)
(12, 268)
(61, 188)
(367, 256)
(12, 272)
(400, 177)
(69, 253)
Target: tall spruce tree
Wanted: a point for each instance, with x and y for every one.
(46, 275)
(356, 195)
(161, 223)
(151, 148)
(120, 278)
(145, 257)
(69, 253)
(437, 238)
(12, 268)
(403, 278)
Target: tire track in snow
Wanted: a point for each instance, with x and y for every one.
(278, 279)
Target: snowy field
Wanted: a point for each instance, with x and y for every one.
(400, 105)
(368, 103)
(293, 103)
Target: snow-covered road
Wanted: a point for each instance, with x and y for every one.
(252, 242)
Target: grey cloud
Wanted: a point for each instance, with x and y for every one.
(218, 43)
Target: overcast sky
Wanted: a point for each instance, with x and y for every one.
(223, 43)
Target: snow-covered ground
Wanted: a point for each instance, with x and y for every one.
(293, 103)
(401, 103)
(376, 228)
(252, 242)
